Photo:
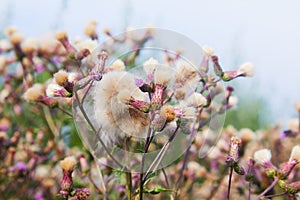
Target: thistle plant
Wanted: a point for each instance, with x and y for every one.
(149, 117)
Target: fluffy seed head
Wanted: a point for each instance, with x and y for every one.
(2, 64)
(118, 65)
(247, 69)
(10, 30)
(233, 101)
(68, 164)
(29, 45)
(262, 156)
(295, 154)
(61, 35)
(61, 77)
(16, 38)
(293, 125)
(113, 114)
(34, 93)
(54, 90)
(86, 44)
(90, 29)
(162, 76)
(150, 65)
(186, 75)
(197, 100)
(168, 113)
(297, 106)
(207, 50)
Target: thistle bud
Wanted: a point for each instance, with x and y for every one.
(235, 145)
(217, 68)
(67, 165)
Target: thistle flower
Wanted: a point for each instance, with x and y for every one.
(185, 75)
(246, 69)
(295, 154)
(235, 145)
(117, 65)
(67, 165)
(90, 29)
(86, 44)
(196, 100)
(54, 90)
(34, 93)
(233, 101)
(116, 117)
(263, 157)
(162, 76)
(150, 65)
(29, 45)
(61, 77)
(297, 106)
(16, 38)
(2, 64)
(168, 113)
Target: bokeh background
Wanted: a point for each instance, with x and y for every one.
(265, 32)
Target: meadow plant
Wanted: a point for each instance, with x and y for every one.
(150, 123)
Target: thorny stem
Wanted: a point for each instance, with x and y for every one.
(268, 188)
(229, 182)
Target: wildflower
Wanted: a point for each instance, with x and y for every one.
(4, 45)
(235, 145)
(62, 36)
(168, 113)
(217, 68)
(54, 90)
(162, 78)
(297, 106)
(34, 93)
(113, 113)
(61, 77)
(295, 154)
(81, 194)
(29, 46)
(125, 97)
(150, 65)
(246, 69)
(293, 125)
(185, 75)
(90, 30)
(10, 30)
(117, 65)
(86, 44)
(2, 64)
(263, 157)
(233, 101)
(67, 165)
(197, 100)
(287, 167)
(16, 38)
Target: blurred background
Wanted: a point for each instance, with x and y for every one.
(266, 33)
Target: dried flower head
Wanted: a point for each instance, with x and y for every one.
(162, 75)
(185, 75)
(68, 164)
(150, 65)
(262, 156)
(197, 100)
(297, 106)
(117, 65)
(168, 113)
(207, 50)
(61, 77)
(35, 92)
(10, 30)
(293, 125)
(54, 90)
(29, 45)
(90, 29)
(61, 35)
(295, 154)
(233, 101)
(235, 145)
(16, 38)
(112, 111)
(247, 69)
(86, 44)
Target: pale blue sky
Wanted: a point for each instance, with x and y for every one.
(264, 32)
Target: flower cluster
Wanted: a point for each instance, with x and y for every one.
(142, 113)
